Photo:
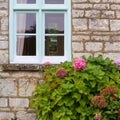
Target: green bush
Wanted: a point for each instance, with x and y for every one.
(68, 93)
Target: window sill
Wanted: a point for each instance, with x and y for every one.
(22, 67)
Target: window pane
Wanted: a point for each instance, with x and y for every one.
(54, 46)
(26, 1)
(26, 23)
(54, 1)
(26, 45)
(54, 23)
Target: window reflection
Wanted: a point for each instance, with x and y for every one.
(26, 45)
(54, 1)
(26, 23)
(26, 1)
(54, 23)
(54, 46)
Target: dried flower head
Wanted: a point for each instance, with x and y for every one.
(99, 101)
(110, 90)
(98, 116)
(79, 63)
(61, 72)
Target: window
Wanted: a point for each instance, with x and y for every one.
(40, 31)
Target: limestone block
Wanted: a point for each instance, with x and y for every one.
(115, 25)
(77, 13)
(3, 44)
(77, 46)
(8, 115)
(22, 115)
(93, 46)
(3, 102)
(80, 37)
(99, 24)
(26, 86)
(3, 56)
(92, 13)
(108, 14)
(112, 46)
(101, 6)
(80, 24)
(19, 102)
(4, 23)
(100, 38)
(8, 87)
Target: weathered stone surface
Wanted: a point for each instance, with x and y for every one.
(78, 46)
(108, 14)
(99, 24)
(115, 7)
(80, 38)
(93, 46)
(100, 38)
(26, 87)
(79, 24)
(8, 87)
(118, 14)
(19, 102)
(101, 6)
(82, 6)
(3, 56)
(116, 38)
(95, 1)
(77, 13)
(8, 115)
(77, 55)
(4, 23)
(92, 13)
(22, 115)
(112, 46)
(3, 44)
(3, 102)
(115, 25)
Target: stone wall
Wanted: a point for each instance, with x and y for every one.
(95, 30)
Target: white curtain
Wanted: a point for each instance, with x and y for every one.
(21, 27)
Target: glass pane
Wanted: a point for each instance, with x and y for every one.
(54, 23)
(26, 1)
(26, 46)
(26, 23)
(54, 1)
(54, 46)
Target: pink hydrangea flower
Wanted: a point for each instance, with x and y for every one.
(47, 63)
(61, 72)
(98, 116)
(79, 63)
(117, 63)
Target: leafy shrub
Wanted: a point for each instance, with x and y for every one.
(85, 89)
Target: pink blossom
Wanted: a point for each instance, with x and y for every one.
(98, 116)
(47, 63)
(61, 72)
(117, 63)
(79, 63)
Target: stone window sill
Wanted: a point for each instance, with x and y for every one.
(22, 67)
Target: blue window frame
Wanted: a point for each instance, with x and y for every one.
(40, 31)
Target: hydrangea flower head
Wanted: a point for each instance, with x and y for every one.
(99, 101)
(47, 63)
(61, 72)
(79, 63)
(98, 116)
(117, 63)
(108, 90)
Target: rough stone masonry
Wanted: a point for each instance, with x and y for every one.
(95, 28)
